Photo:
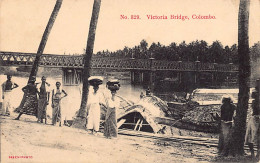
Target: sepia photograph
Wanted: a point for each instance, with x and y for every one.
(127, 81)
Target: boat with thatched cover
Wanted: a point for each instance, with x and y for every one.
(151, 114)
(199, 113)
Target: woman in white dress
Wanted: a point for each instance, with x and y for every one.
(93, 106)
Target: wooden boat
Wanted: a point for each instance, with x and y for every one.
(152, 114)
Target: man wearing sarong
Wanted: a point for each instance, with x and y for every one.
(93, 106)
(253, 127)
(57, 95)
(227, 113)
(30, 104)
(110, 128)
(44, 96)
(7, 88)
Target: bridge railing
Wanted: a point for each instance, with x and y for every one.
(77, 61)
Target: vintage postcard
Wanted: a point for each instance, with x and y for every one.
(123, 81)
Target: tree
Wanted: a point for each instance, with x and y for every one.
(255, 51)
(202, 49)
(154, 51)
(126, 51)
(227, 55)
(255, 56)
(44, 39)
(173, 52)
(234, 54)
(143, 45)
(80, 120)
(216, 52)
(183, 51)
(143, 49)
(42, 44)
(244, 74)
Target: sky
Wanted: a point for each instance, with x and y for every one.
(22, 23)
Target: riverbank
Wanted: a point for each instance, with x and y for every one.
(47, 143)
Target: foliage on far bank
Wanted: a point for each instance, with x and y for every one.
(25, 72)
(195, 50)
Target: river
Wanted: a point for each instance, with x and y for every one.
(71, 103)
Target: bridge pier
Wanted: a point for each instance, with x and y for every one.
(197, 79)
(140, 77)
(72, 76)
(212, 78)
(179, 77)
(136, 77)
(132, 77)
(152, 80)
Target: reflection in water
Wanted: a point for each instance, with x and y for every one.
(71, 103)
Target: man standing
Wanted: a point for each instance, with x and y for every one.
(7, 88)
(253, 126)
(227, 114)
(57, 95)
(44, 96)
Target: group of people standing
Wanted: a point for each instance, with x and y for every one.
(252, 136)
(37, 96)
(111, 104)
(35, 100)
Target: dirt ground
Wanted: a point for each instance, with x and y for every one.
(47, 143)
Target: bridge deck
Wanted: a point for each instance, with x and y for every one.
(77, 61)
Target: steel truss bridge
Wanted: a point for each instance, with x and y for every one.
(77, 61)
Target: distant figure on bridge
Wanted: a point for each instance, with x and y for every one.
(93, 106)
(7, 88)
(30, 103)
(253, 127)
(227, 113)
(44, 96)
(57, 95)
